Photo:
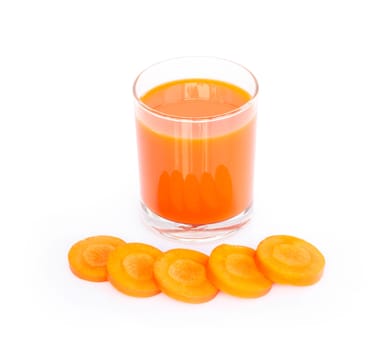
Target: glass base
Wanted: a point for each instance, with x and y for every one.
(195, 233)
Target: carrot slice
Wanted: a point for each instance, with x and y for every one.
(290, 260)
(87, 258)
(130, 269)
(181, 274)
(233, 269)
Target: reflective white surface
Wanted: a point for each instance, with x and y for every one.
(69, 168)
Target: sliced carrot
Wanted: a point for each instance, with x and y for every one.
(88, 257)
(181, 274)
(290, 260)
(130, 269)
(233, 269)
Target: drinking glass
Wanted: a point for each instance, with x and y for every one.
(196, 163)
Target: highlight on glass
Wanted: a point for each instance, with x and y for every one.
(195, 126)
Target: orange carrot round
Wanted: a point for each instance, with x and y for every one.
(181, 274)
(87, 258)
(290, 260)
(233, 269)
(130, 269)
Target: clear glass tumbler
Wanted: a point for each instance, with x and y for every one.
(195, 123)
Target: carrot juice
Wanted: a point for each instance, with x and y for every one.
(196, 179)
(196, 140)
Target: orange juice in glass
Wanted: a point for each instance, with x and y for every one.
(195, 123)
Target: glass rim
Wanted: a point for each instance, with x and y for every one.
(215, 117)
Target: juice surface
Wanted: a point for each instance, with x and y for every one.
(200, 173)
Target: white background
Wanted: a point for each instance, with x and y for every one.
(69, 167)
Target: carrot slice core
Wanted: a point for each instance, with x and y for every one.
(139, 266)
(240, 265)
(187, 272)
(291, 255)
(97, 254)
